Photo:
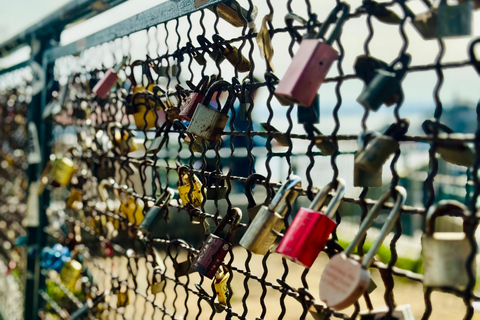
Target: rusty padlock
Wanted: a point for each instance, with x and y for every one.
(385, 87)
(103, 87)
(313, 60)
(194, 98)
(208, 123)
(309, 231)
(445, 254)
(458, 153)
(189, 191)
(344, 280)
(217, 245)
(377, 152)
(232, 54)
(268, 222)
(155, 213)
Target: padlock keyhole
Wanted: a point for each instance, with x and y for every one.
(321, 63)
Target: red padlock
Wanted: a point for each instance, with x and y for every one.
(103, 87)
(194, 98)
(309, 231)
(312, 62)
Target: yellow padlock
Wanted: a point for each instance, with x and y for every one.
(143, 108)
(62, 171)
(221, 287)
(75, 200)
(121, 138)
(132, 208)
(184, 188)
(70, 273)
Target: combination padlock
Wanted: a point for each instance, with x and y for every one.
(313, 60)
(385, 87)
(232, 54)
(252, 207)
(194, 98)
(159, 280)
(221, 285)
(154, 214)
(454, 20)
(344, 280)
(309, 231)
(217, 245)
(213, 51)
(268, 222)
(362, 178)
(189, 187)
(208, 123)
(458, 153)
(401, 312)
(377, 152)
(445, 254)
(103, 87)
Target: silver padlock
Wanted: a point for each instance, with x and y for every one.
(209, 123)
(374, 156)
(445, 254)
(401, 312)
(362, 178)
(268, 222)
(454, 20)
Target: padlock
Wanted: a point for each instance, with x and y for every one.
(216, 189)
(401, 312)
(158, 283)
(75, 199)
(385, 87)
(311, 114)
(107, 203)
(311, 63)
(70, 273)
(252, 207)
(122, 296)
(121, 138)
(280, 137)
(362, 178)
(221, 286)
(264, 40)
(454, 20)
(143, 108)
(268, 222)
(232, 54)
(326, 146)
(188, 192)
(445, 254)
(236, 15)
(425, 23)
(132, 207)
(197, 55)
(164, 100)
(194, 98)
(344, 280)
(377, 152)
(216, 246)
(155, 213)
(103, 87)
(309, 231)
(458, 153)
(208, 123)
(473, 57)
(365, 67)
(63, 169)
(213, 51)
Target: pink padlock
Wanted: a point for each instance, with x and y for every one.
(312, 62)
(309, 231)
(103, 87)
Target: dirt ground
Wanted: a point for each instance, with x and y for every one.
(175, 302)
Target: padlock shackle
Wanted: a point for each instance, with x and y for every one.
(392, 218)
(232, 218)
(365, 137)
(122, 62)
(221, 43)
(431, 125)
(452, 208)
(253, 179)
(217, 86)
(285, 196)
(333, 18)
(404, 60)
(321, 196)
(165, 198)
(398, 129)
(473, 57)
(131, 76)
(289, 19)
(373, 214)
(104, 184)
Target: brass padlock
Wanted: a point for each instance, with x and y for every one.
(159, 281)
(221, 287)
(268, 222)
(143, 108)
(230, 52)
(70, 273)
(63, 169)
(188, 192)
(445, 254)
(131, 207)
(213, 51)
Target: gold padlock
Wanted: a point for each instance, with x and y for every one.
(132, 208)
(75, 199)
(221, 287)
(70, 273)
(185, 188)
(122, 297)
(142, 107)
(231, 53)
(63, 169)
(158, 281)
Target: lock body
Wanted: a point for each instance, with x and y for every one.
(70, 273)
(103, 87)
(365, 179)
(240, 63)
(197, 197)
(221, 287)
(259, 236)
(306, 237)
(158, 285)
(62, 171)
(445, 257)
(133, 209)
(190, 105)
(382, 87)
(309, 115)
(306, 73)
(455, 20)
(208, 123)
(456, 153)
(151, 218)
(374, 156)
(211, 255)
